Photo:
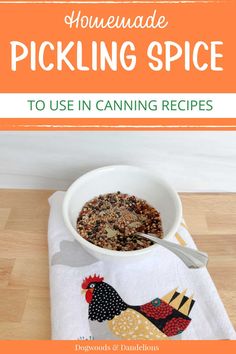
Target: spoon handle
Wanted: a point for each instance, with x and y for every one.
(192, 258)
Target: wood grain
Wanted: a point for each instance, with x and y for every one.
(24, 291)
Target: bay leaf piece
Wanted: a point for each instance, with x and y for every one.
(135, 224)
(111, 233)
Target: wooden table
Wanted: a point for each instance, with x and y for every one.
(24, 292)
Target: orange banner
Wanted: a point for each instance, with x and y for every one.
(165, 347)
(192, 22)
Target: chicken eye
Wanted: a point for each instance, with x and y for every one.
(92, 286)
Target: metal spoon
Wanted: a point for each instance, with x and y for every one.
(191, 257)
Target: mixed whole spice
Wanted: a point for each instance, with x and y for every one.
(112, 220)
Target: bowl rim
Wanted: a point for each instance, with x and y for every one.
(105, 251)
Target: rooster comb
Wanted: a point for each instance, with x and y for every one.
(91, 279)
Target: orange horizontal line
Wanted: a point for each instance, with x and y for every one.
(102, 2)
(117, 124)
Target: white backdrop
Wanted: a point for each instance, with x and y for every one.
(191, 161)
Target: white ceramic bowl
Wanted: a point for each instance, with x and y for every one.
(127, 179)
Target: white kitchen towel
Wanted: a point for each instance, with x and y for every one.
(136, 284)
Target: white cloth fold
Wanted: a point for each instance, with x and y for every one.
(137, 284)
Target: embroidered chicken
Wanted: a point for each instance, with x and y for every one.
(157, 319)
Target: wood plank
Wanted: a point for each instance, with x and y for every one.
(30, 273)
(4, 215)
(13, 303)
(6, 266)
